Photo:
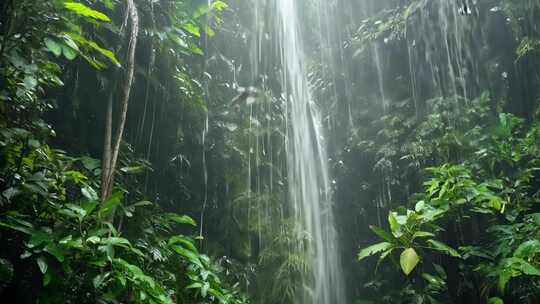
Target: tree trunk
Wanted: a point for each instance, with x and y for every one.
(106, 161)
(111, 147)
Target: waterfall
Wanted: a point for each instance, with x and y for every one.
(309, 183)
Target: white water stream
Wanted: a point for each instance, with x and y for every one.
(309, 184)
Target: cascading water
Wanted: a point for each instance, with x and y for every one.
(309, 183)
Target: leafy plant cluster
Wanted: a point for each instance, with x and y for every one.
(483, 204)
(54, 221)
(60, 241)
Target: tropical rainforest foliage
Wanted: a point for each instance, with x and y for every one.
(130, 172)
(62, 241)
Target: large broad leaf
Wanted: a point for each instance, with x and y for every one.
(55, 251)
(89, 193)
(181, 219)
(110, 205)
(191, 256)
(408, 260)
(83, 10)
(39, 237)
(374, 249)
(515, 267)
(527, 249)
(93, 46)
(183, 240)
(526, 268)
(382, 234)
(116, 241)
(193, 29)
(436, 245)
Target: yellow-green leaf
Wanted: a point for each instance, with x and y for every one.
(83, 10)
(408, 260)
(495, 300)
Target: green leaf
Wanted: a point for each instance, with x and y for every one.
(133, 169)
(419, 206)
(38, 237)
(395, 227)
(108, 207)
(382, 234)
(21, 228)
(47, 278)
(439, 246)
(204, 289)
(193, 29)
(189, 255)
(374, 249)
(89, 206)
(90, 164)
(55, 251)
(527, 249)
(74, 211)
(528, 269)
(30, 82)
(70, 43)
(193, 48)
(187, 242)
(89, 193)
(408, 260)
(420, 234)
(76, 176)
(504, 277)
(195, 285)
(94, 46)
(42, 264)
(495, 300)
(142, 203)
(219, 5)
(180, 219)
(116, 241)
(68, 52)
(83, 10)
(98, 280)
(93, 239)
(514, 267)
(433, 279)
(6, 271)
(53, 46)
